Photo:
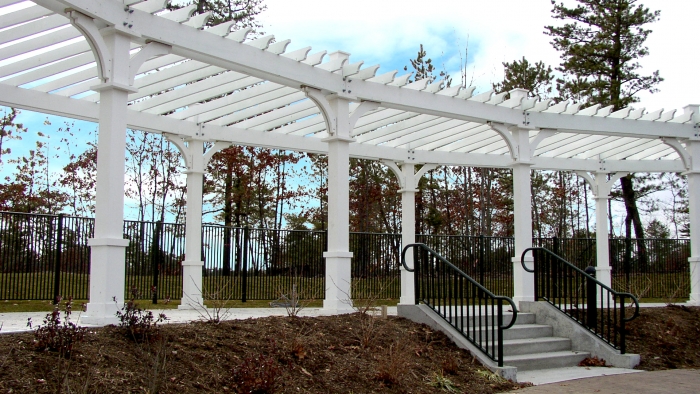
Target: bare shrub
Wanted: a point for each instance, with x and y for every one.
(297, 298)
(139, 324)
(257, 374)
(392, 363)
(56, 335)
(219, 300)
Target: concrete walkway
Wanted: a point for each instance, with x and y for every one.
(17, 321)
(676, 381)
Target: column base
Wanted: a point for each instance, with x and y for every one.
(107, 280)
(338, 297)
(408, 291)
(694, 298)
(523, 281)
(191, 285)
(100, 314)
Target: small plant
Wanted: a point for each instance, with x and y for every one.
(139, 324)
(296, 300)
(680, 287)
(491, 376)
(450, 366)
(439, 381)
(257, 375)
(219, 299)
(58, 335)
(392, 364)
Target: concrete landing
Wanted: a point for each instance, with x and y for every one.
(676, 381)
(554, 375)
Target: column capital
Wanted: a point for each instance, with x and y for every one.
(338, 138)
(118, 242)
(113, 85)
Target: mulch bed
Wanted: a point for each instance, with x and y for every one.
(337, 354)
(666, 338)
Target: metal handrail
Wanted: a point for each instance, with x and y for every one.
(592, 303)
(498, 357)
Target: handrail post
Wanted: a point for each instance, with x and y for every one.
(416, 274)
(500, 332)
(591, 307)
(622, 325)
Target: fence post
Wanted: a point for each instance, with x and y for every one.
(155, 260)
(592, 305)
(481, 259)
(57, 261)
(244, 265)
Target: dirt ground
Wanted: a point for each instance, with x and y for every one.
(666, 338)
(335, 354)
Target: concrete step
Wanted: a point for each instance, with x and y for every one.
(517, 347)
(523, 318)
(530, 362)
(523, 331)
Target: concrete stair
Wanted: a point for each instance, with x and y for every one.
(530, 346)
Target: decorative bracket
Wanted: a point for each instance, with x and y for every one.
(320, 100)
(402, 179)
(505, 133)
(188, 155)
(363, 108)
(103, 57)
(544, 133)
(148, 51)
(600, 186)
(682, 152)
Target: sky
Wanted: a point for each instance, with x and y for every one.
(389, 32)
(485, 33)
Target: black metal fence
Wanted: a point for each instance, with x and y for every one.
(42, 256)
(474, 311)
(650, 268)
(486, 259)
(580, 296)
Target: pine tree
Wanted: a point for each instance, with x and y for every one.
(535, 78)
(600, 46)
(424, 69)
(243, 12)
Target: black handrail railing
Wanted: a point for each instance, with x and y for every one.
(581, 296)
(464, 303)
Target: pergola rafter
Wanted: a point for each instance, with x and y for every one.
(213, 84)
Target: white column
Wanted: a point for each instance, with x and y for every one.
(338, 257)
(602, 269)
(408, 231)
(192, 266)
(694, 216)
(108, 245)
(523, 282)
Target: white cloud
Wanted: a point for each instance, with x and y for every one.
(389, 32)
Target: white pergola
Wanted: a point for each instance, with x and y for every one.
(129, 64)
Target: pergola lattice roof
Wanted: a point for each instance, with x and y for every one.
(253, 92)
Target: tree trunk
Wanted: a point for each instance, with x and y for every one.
(628, 196)
(228, 219)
